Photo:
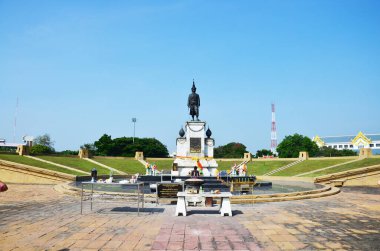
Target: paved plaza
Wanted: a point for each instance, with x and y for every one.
(36, 217)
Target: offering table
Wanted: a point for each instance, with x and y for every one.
(225, 203)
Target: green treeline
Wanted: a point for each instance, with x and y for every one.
(293, 144)
(231, 150)
(124, 146)
(288, 148)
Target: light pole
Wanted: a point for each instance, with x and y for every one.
(134, 128)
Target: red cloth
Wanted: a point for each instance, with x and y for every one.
(199, 165)
(3, 187)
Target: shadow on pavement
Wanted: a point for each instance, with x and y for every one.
(191, 211)
(130, 210)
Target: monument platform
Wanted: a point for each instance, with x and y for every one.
(195, 147)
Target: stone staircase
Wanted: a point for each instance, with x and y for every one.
(31, 174)
(211, 183)
(356, 173)
(283, 168)
(242, 163)
(318, 193)
(142, 162)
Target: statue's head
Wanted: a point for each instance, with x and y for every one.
(193, 89)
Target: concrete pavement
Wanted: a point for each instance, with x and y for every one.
(36, 217)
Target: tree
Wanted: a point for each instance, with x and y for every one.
(68, 152)
(332, 152)
(44, 140)
(42, 145)
(231, 150)
(40, 150)
(263, 152)
(124, 146)
(293, 144)
(103, 145)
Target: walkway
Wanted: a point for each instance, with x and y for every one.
(36, 217)
(325, 168)
(56, 164)
(115, 171)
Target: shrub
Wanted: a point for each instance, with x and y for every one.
(40, 150)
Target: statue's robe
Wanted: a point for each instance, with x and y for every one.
(193, 103)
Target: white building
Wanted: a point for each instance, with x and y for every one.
(352, 142)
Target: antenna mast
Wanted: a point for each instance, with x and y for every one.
(15, 122)
(273, 138)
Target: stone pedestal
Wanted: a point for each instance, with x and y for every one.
(247, 157)
(139, 155)
(195, 146)
(84, 153)
(365, 152)
(23, 150)
(303, 155)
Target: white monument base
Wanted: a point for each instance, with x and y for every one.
(195, 144)
(186, 171)
(185, 166)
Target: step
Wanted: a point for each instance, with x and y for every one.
(330, 191)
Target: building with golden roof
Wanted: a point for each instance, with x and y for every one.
(352, 142)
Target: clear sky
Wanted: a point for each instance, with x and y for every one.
(84, 68)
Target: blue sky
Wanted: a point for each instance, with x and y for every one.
(84, 68)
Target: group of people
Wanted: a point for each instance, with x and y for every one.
(236, 170)
(240, 170)
(151, 169)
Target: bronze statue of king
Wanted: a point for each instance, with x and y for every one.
(193, 102)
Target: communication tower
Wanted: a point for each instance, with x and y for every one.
(273, 135)
(15, 122)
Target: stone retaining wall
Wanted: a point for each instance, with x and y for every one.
(19, 173)
(364, 176)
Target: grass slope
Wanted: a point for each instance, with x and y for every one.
(310, 165)
(77, 163)
(255, 167)
(349, 166)
(36, 163)
(262, 167)
(131, 166)
(127, 165)
(162, 164)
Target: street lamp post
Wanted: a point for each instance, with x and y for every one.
(134, 128)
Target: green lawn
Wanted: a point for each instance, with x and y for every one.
(162, 164)
(131, 166)
(349, 166)
(127, 165)
(262, 167)
(226, 165)
(255, 167)
(310, 165)
(77, 163)
(36, 163)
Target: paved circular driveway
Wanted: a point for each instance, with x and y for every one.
(36, 217)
